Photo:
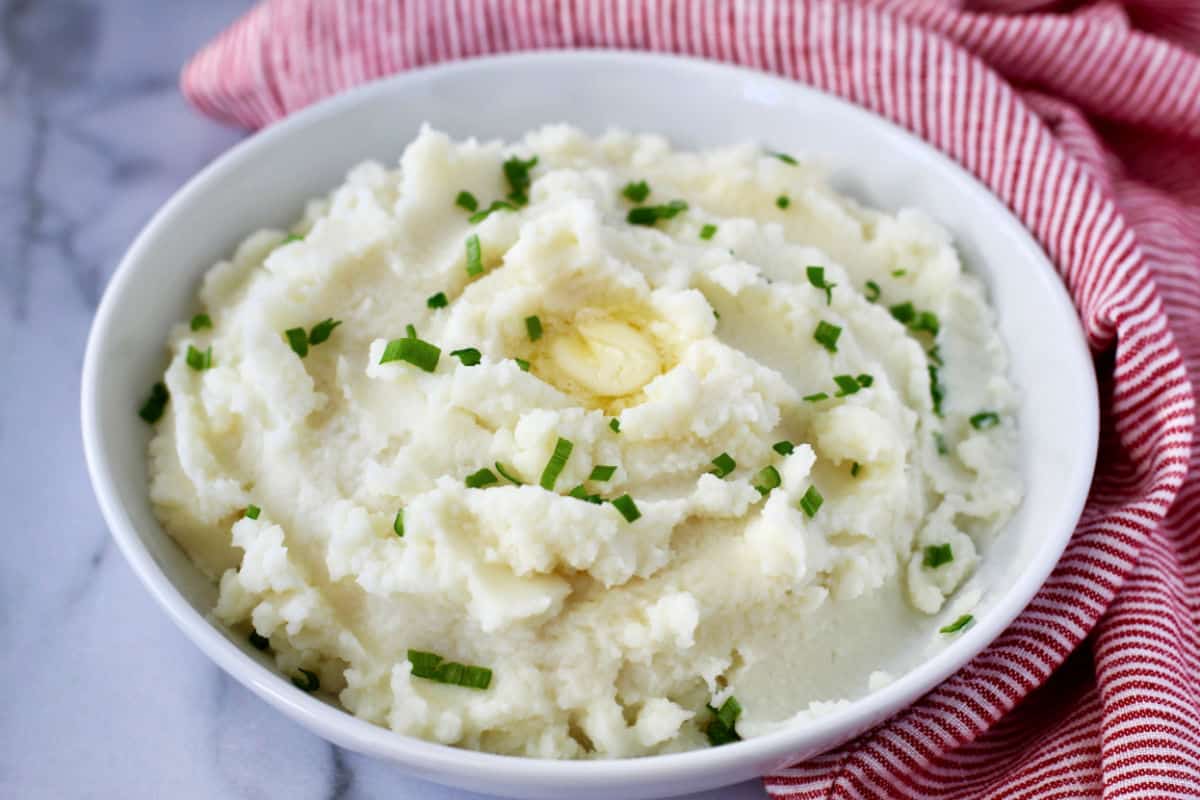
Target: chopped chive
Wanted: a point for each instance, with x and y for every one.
(258, 642)
(424, 665)
(904, 313)
(415, 351)
(432, 667)
(926, 321)
(847, 384)
(602, 472)
(935, 355)
(627, 507)
(939, 441)
(199, 360)
(827, 335)
(481, 478)
(615, 425)
(554, 467)
(816, 276)
(962, 622)
(297, 339)
(292, 237)
(152, 410)
(476, 677)
(936, 391)
(482, 214)
(522, 364)
(474, 256)
(784, 448)
(636, 192)
(716, 315)
(811, 502)
(580, 492)
(873, 291)
(438, 301)
(864, 380)
(252, 511)
(307, 680)
(984, 420)
(724, 465)
(855, 468)
(517, 173)
(815, 398)
(201, 321)
(721, 728)
(784, 157)
(466, 200)
(938, 554)
(533, 327)
(410, 331)
(398, 523)
(708, 231)
(767, 479)
(649, 215)
(322, 331)
(507, 475)
(783, 201)
(899, 273)
(469, 356)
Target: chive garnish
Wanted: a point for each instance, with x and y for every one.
(926, 321)
(580, 492)
(811, 502)
(152, 410)
(720, 729)
(199, 360)
(627, 507)
(827, 335)
(517, 173)
(432, 667)
(784, 157)
(438, 301)
(855, 468)
(939, 441)
(258, 642)
(481, 478)
(708, 231)
(554, 467)
(469, 356)
(482, 214)
(899, 273)
(954, 627)
(398, 523)
(816, 276)
(474, 256)
(466, 200)
(297, 339)
(724, 465)
(784, 448)
(322, 331)
(522, 364)
(292, 237)
(935, 355)
(783, 201)
(936, 391)
(252, 511)
(864, 380)
(533, 327)
(636, 192)
(602, 472)
(307, 680)
(815, 398)
(615, 425)
(201, 321)
(872, 292)
(767, 479)
(507, 475)
(847, 384)
(984, 420)
(938, 554)
(649, 215)
(415, 351)
(410, 331)
(904, 313)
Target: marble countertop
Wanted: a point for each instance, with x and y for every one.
(100, 695)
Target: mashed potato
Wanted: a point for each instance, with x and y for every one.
(785, 420)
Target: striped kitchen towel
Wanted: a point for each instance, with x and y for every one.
(1086, 122)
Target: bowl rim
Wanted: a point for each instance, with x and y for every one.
(342, 727)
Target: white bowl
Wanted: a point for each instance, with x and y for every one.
(265, 180)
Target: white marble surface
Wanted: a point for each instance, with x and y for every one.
(100, 696)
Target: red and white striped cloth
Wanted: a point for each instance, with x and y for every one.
(1087, 124)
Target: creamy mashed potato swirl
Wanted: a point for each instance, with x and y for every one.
(864, 408)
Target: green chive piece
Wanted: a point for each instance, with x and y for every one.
(864, 380)
(201, 321)
(533, 327)
(252, 511)
(615, 424)
(199, 360)
(497, 205)
(784, 157)
(522, 364)
(904, 313)
(476, 677)
(708, 231)
(292, 237)
(508, 475)
(474, 256)
(847, 384)
(432, 667)
(811, 502)
(936, 391)
(517, 173)
(767, 479)
(469, 356)
(298, 340)
(481, 478)
(424, 665)
(554, 467)
(873, 291)
(855, 468)
(938, 554)
(307, 680)
(398, 523)
(899, 273)
(816, 277)
(939, 441)
(926, 321)
(627, 507)
(258, 642)
(724, 465)
(984, 420)
(783, 201)
(935, 355)
(602, 472)
(466, 200)
(965, 621)
(410, 331)
(438, 301)
(636, 192)
(720, 729)
(322, 331)
(152, 410)
(580, 492)
(415, 351)
(815, 398)
(827, 335)
(784, 448)
(649, 215)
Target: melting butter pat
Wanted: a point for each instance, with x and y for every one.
(605, 357)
